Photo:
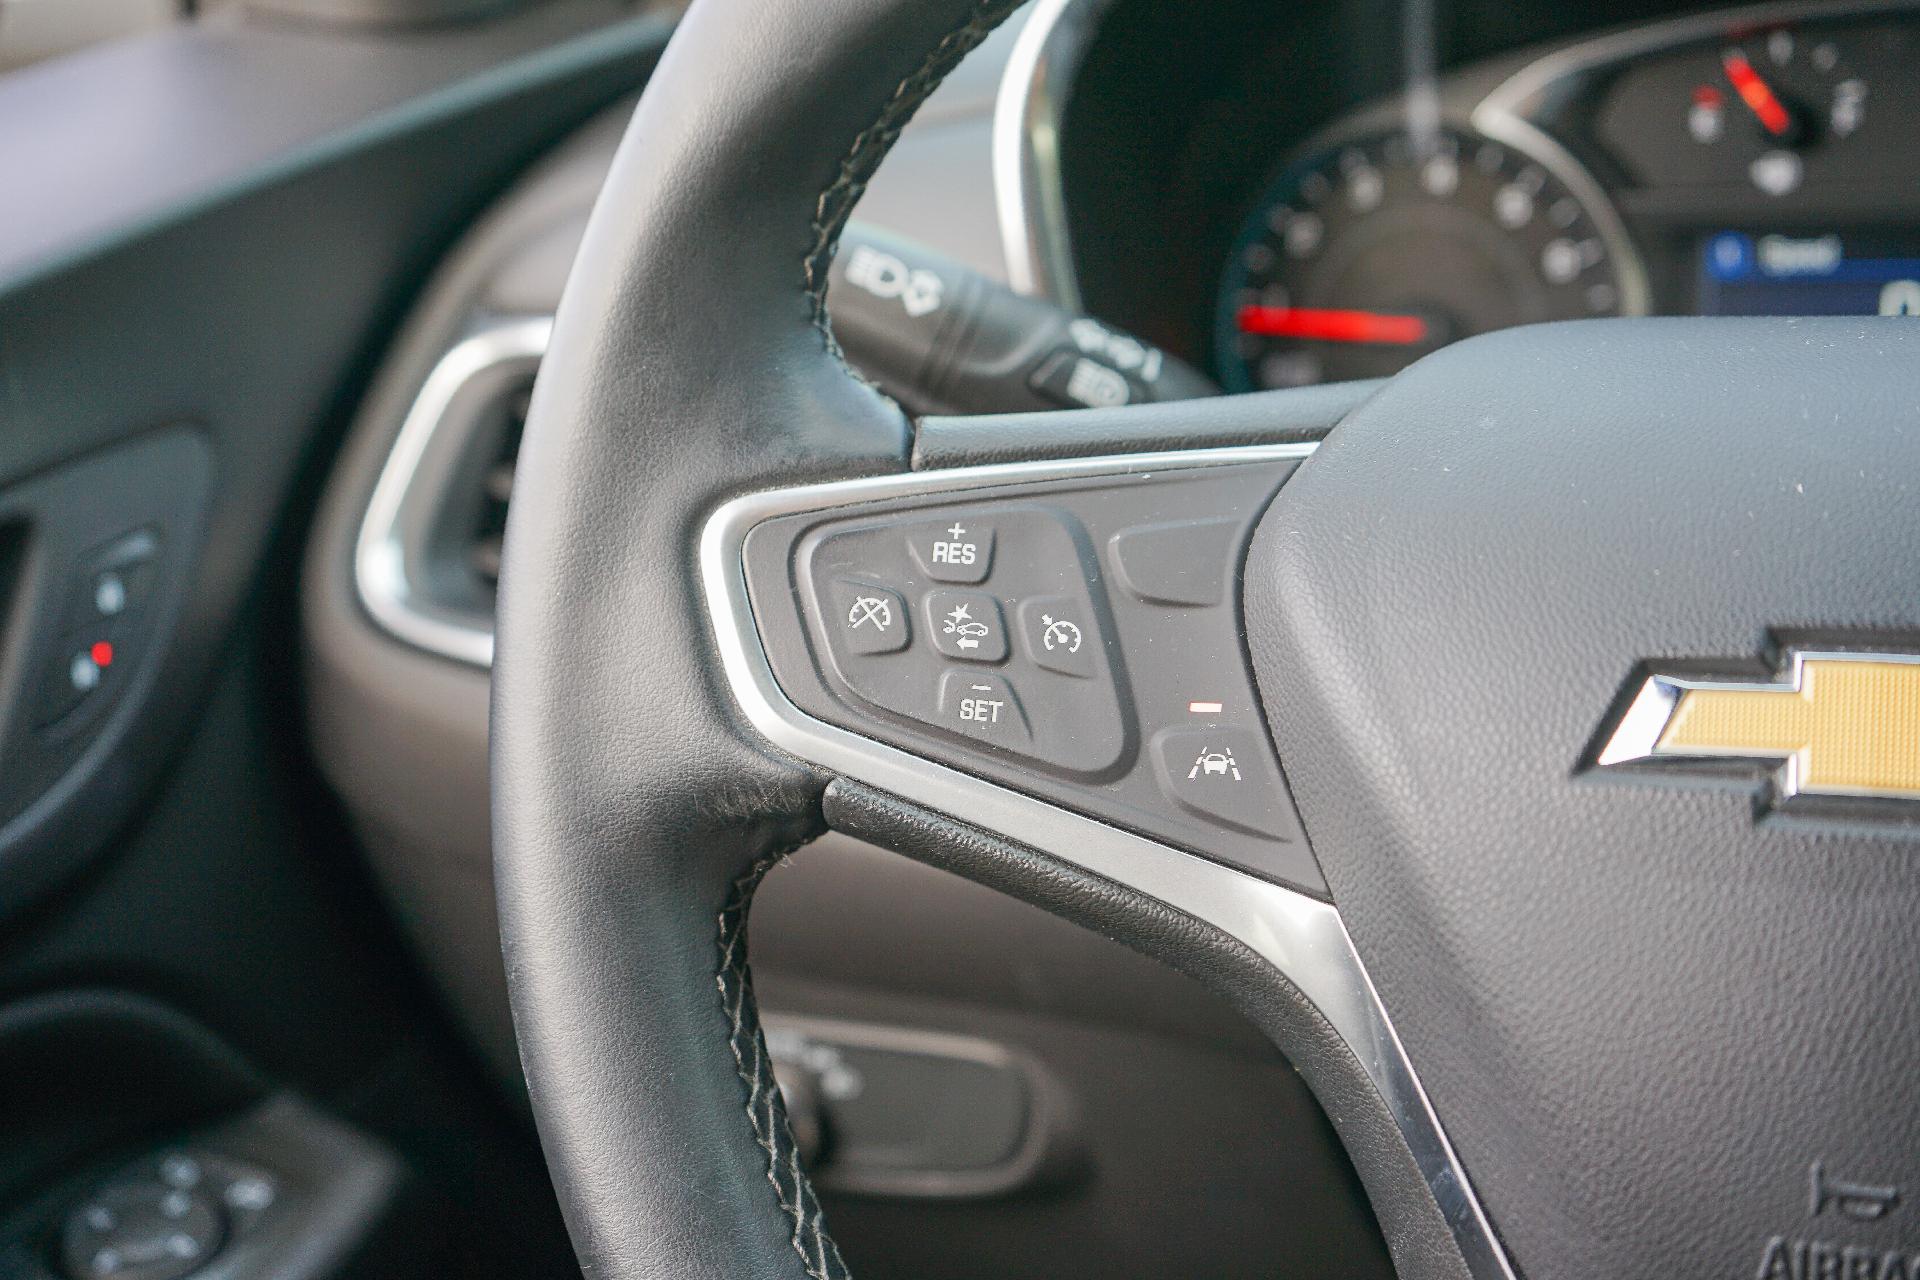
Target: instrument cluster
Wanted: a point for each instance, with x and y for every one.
(1761, 162)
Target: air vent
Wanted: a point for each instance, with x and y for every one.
(496, 486)
(428, 561)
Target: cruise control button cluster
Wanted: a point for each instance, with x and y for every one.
(916, 614)
(1077, 641)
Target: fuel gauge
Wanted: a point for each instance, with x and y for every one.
(1776, 94)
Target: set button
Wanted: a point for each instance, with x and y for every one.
(982, 705)
(953, 550)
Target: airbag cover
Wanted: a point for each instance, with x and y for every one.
(1660, 1023)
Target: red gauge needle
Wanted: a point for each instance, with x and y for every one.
(1333, 326)
(1757, 94)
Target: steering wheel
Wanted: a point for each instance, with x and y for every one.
(1582, 653)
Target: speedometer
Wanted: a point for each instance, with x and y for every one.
(1365, 256)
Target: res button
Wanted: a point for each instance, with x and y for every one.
(955, 550)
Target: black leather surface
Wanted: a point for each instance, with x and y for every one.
(689, 362)
(1642, 1015)
(1269, 417)
(1422, 1249)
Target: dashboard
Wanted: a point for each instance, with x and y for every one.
(1761, 161)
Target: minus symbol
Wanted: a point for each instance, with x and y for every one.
(1205, 708)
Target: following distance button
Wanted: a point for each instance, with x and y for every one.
(967, 625)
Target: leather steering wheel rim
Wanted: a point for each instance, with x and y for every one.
(634, 810)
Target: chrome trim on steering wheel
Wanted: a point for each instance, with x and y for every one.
(1300, 936)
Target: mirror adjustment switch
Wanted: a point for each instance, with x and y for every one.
(870, 619)
(967, 625)
(957, 549)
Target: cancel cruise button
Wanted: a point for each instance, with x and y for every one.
(982, 706)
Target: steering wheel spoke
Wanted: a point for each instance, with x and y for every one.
(1040, 667)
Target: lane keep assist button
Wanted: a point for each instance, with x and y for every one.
(1225, 776)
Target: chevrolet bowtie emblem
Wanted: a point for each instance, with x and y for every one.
(1836, 724)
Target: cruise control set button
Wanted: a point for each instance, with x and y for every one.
(982, 706)
(954, 550)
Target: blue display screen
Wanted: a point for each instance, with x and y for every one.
(1815, 275)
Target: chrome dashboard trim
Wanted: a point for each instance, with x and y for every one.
(1027, 114)
(1303, 937)
(400, 507)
